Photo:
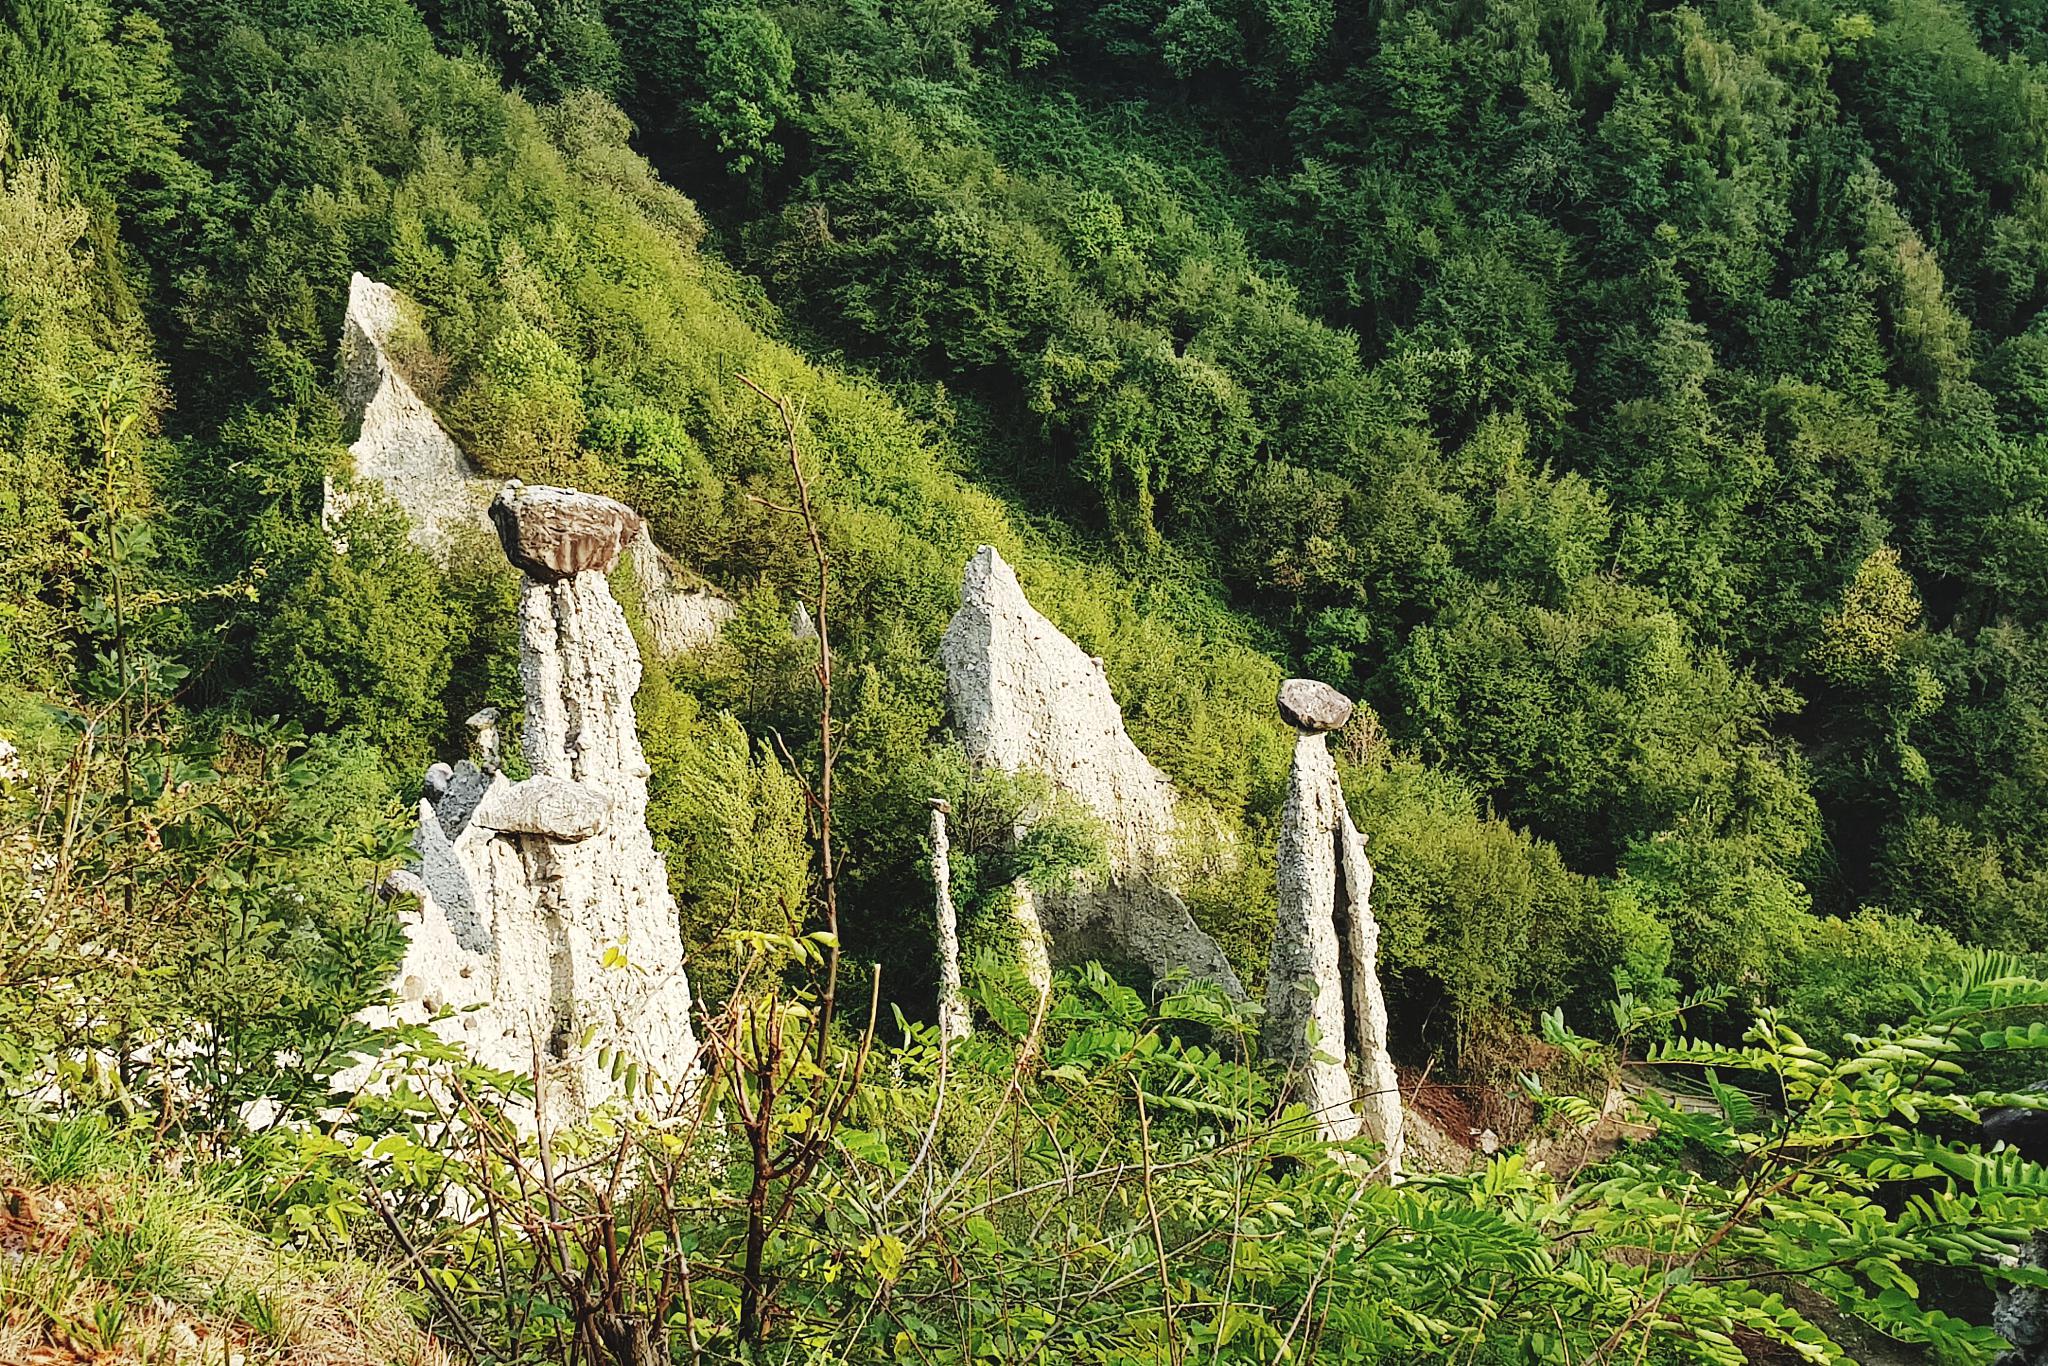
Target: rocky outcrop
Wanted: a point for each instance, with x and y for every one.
(399, 443)
(1023, 697)
(680, 618)
(1325, 1016)
(2020, 1312)
(955, 1021)
(565, 811)
(545, 921)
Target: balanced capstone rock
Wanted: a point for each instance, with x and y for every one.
(1326, 1018)
(1308, 705)
(555, 534)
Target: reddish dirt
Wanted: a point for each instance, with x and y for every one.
(1448, 1107)
(26, 1226)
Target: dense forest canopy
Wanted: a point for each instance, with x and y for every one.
(1641, 408)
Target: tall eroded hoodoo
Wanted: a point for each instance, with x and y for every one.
(1323, 983)
(545, 918)
(1024, 698)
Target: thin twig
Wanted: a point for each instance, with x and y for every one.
(1173, 1347)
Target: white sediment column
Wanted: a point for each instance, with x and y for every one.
(955, 1022)
(1326, 1017)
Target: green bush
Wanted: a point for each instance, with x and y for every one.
(362, 640)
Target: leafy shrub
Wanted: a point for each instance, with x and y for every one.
(362, 640)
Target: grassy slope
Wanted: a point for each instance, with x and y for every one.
(100, 1245)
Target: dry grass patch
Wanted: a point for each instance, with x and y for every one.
(101, 1262)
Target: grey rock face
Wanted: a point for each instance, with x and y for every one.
(1325, 1015)
(2020, 1312)
(553, 534)
(483, 730)
(2021, 1129)
(560, 810)
(545, 918)
(1023, 697)
(955, 1020)
(399, 442)
(680, 618)
(403, 447)
(1308, 705)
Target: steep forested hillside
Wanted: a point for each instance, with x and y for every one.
(1634, 405)
(1638, 409)
(1642, 408)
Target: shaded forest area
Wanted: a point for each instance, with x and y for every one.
(1642, 409)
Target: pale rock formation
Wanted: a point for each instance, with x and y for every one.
(401, 445)
(681, 619)
(483, 729)
(801, 627)
(1325, 1015)
(561, 810)
(2019, 1314)
(545, 920)
(1023, 697)
(399, 442)
(1033, 944)
(955, 1020)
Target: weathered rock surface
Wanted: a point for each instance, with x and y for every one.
(560, 810)
(1023, 697)
(680, 618)
(2023, 1129)
(399, 443)
(1325, 1014)
(801, 627)
(955, 1019)
(403, 447)
(1308, 705)
(545, 918)
(553, 534)
(2019, 1314)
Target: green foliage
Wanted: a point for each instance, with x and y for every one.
(1642, 410)
(518, 406)
(721, 73)
(1575, 443)
(550, 47)
(361, 641)
(60, 355)
(209, 886)
(1014, 832)
(1851, 977)
(1085, 1182)
(1481, 913)
(731, 818)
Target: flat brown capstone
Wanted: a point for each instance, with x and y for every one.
(553, 533)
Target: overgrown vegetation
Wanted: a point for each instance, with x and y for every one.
(1642, 409)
